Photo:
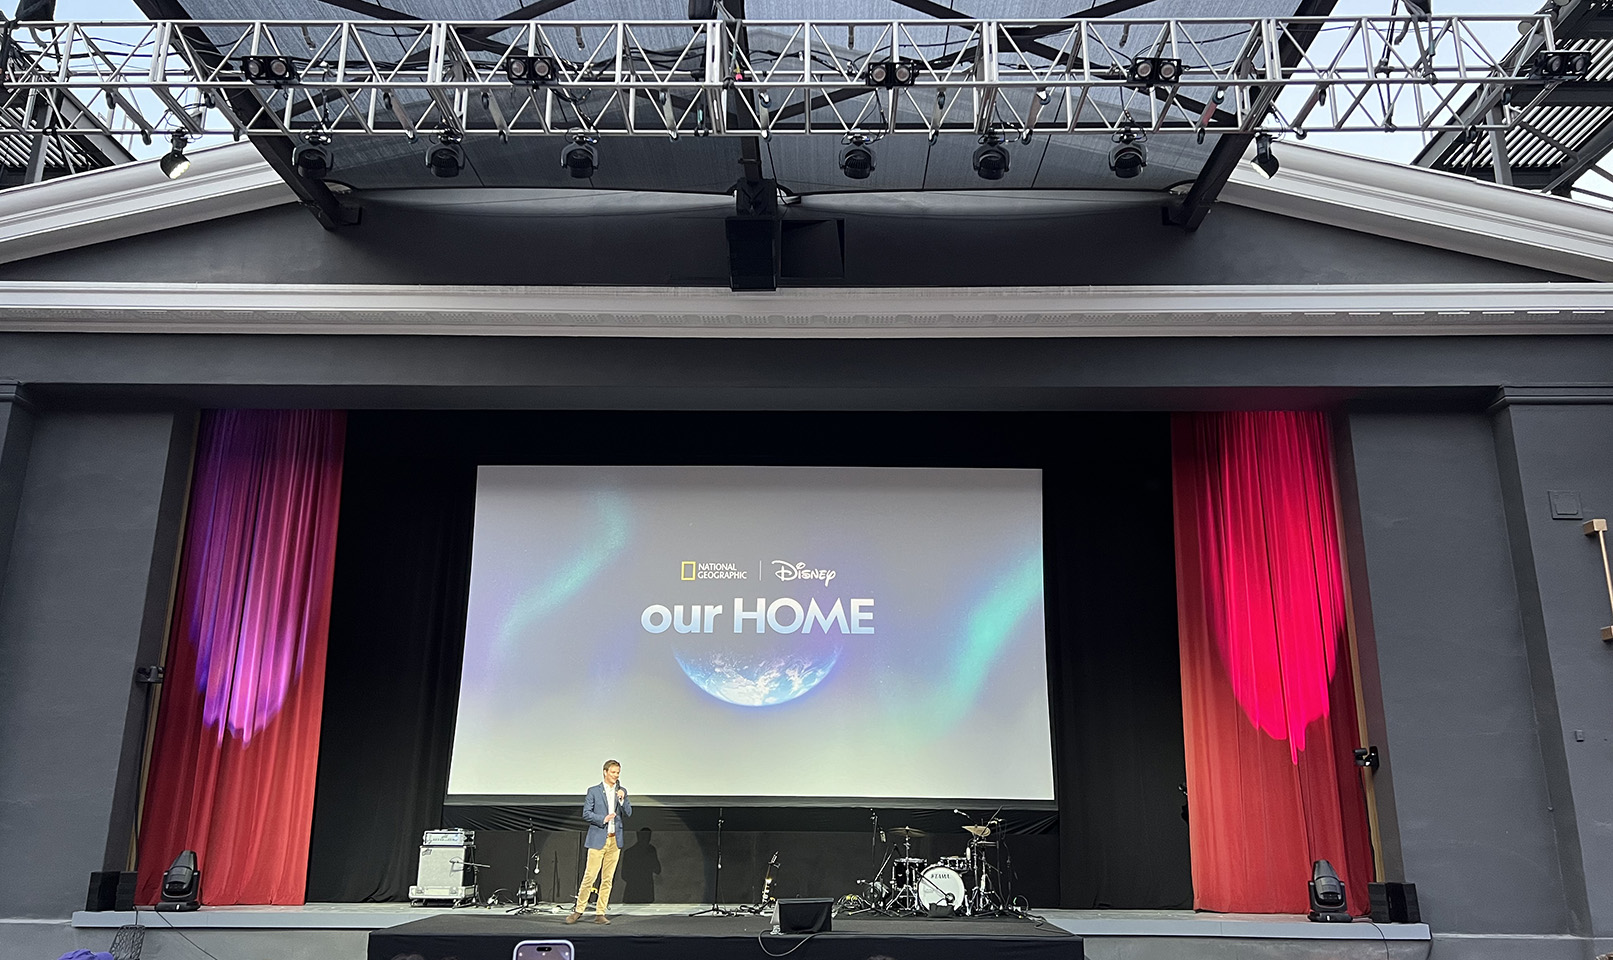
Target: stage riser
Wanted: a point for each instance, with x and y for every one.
(1232, 948)
(823, 947)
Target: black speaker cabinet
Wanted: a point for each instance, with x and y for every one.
(805, 916)
(103, 893)
(128, 880)
(1394, 902)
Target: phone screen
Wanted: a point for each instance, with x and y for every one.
(544, 950)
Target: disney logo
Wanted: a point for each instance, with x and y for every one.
(786, 570)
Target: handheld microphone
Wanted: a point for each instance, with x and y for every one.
(960, 813)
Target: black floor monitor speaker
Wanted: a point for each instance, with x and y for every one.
(805, 916)
(103, 894)
(1394, 902)
(128, 882)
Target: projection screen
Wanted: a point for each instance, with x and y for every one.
(763, 632)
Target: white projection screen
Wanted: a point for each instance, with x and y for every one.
(755, 632)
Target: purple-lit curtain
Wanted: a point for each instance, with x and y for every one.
(237, 742)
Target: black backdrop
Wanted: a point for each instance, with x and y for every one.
(397, 630)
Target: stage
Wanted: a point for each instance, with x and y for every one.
(655, 931)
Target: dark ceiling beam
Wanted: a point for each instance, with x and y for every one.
(374, 10)
(275, 148)
(1595, 26)
(532, 10)
(1526, 178)
(1229, 149)
(1582, 93)
(1587, 156)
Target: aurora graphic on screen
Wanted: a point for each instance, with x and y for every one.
(858, 632)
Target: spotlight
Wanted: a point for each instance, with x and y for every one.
(182, 884)
(1560, 65)
(857, 159)
(1152, 71)
(446, 157)
(175, 164)
(891, 73)
(991, 160)
(1128, 156)
(580, 158)
(313, 160)
(276, 70)
(1263, 159)
(1327, 894)
(530, 71)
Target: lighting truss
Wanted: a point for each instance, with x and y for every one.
(763, 78)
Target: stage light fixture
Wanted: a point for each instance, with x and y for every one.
(175, 163)
(446, 157)
(313, 158)
(580, 158)
(1153, 71)
(1128, 156)
(182, 884)
(1263, 158)
(891, 73)
(857, 158)
(991, 159)
(530, 71)
(1561, 65)
(275, 71)
(1327, 894)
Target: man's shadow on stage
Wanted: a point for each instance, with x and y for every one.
(640, 866)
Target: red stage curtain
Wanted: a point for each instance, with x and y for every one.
(237, 741)
(1268, 700)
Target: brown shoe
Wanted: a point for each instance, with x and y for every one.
(574, 918)
(602, 919)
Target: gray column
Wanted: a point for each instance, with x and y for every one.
(1447, 675)
(16, 435)
(84, 602)
(1555, 449)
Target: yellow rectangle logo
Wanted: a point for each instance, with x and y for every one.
(688, 569)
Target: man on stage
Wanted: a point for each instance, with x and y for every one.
(604, 808)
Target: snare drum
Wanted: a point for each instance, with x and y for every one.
(942, 887)
(906, 870)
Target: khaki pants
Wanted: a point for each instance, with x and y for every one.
(602, 867)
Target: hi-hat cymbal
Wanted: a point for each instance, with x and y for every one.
(905, 831)
(979, 833)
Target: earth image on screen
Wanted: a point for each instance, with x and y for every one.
(763, 672)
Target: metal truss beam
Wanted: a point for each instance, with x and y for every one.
(763, 78)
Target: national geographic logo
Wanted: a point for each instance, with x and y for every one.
(708, 570)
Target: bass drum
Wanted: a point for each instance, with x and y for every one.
(964, 867)
(942, 887)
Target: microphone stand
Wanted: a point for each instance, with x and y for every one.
(716, 884)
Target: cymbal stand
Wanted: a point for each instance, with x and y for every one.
(983, 899)
(716, 882)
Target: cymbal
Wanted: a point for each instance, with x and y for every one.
(905, 831)
(979, 833)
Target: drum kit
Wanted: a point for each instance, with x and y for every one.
(951, 886)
